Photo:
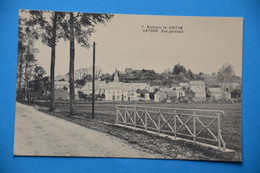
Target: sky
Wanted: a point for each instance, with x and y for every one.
(205, 44)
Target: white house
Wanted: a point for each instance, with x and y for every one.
(117, 91)
(113, 95)
(198, 87)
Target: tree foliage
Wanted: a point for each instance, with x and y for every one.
(39, 85)
(84, 26)
(236, 93)
(226, 73)
(26, 59)
(190, 74)
(43, 22)
(179, 69)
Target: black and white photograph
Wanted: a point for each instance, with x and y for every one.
(128, 86)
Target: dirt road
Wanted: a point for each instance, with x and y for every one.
(39, 134)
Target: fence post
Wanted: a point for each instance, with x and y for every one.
(175, 128)
(135, 117)
(125, 115)
(145, 119)
(116, 114)
(194, 127)
(219, 131)
(159, 121)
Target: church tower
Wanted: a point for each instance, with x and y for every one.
(116, 76)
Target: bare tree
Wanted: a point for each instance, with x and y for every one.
(98, 71)
(226, 72)
(225, 75)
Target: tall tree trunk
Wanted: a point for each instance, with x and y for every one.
(52, 76)
(71, 70)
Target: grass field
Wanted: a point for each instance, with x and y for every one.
(230, 122)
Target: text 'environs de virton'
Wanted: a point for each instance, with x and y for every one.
(163, 29)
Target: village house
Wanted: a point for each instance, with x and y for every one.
(178, 89)
(129, 94)
(116, 91)
(165, 94)
(123, 91)
(99, 87)
(226, 91)
(198, 87)
(143, 94)
(179, 93)
(160, 96)
(216, 93)
(220, 93)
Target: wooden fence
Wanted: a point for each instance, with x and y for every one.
(197, 125)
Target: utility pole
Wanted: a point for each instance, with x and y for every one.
(93, 83)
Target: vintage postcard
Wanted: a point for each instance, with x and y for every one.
(131, 86)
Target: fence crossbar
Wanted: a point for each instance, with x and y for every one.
(184, 124)
(139, 117)
(129, 116)
(120, 114)
(151, 120)
(167, 122)
(207, 127)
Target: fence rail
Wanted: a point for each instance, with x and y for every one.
(197, 125)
